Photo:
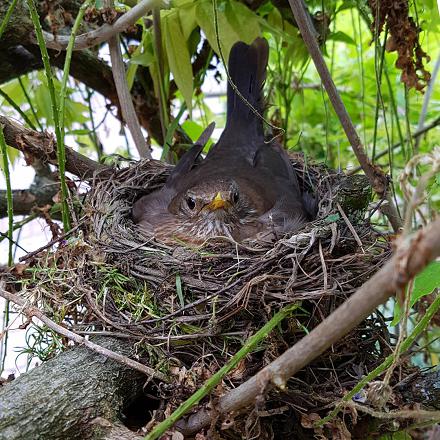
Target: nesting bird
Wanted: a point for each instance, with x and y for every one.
(245, 187)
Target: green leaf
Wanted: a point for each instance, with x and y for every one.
(179, 290)
(194, 130)
(187, 16)
(424, 284)
(243, 20)
(142, 56)
(341, 36)
(228, 35)
(332, 218)
(142, 59)
(426, 281)
(178, 56)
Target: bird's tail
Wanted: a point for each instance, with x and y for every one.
(247, 72)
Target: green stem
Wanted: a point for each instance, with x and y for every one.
(157, 31)
(170, 133)
(10, 208)
(17, 108)
(29, 101)
(9, 202)
(211, 383)
(395, 113)
(19, 225)
(406, 344)
(378, 70)
(61, 151)
(55, 113)
(8, 14)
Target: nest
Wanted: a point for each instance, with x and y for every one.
(192, 308)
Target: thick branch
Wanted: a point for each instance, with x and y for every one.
(77, 395)
(31, 311)
(43, 146)
(26, 199)
(422, 249)
(105, 32)
(377, 178)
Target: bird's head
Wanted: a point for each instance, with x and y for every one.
(212, 208)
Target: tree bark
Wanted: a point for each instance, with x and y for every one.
(77, 395)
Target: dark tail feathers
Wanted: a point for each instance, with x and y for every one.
(247, 70)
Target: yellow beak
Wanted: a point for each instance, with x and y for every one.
(217, 202)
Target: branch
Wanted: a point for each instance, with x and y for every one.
(377, 178)
(77, 394)
(24, 200)
(31, 311)
(124, 96)
(105, 32)
(418, 252)
(43, 146)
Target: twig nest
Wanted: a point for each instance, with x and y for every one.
(219, 293)
(192, 308)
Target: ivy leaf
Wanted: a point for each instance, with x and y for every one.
(178, 56)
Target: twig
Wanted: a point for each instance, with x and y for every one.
(32, 311)
(350, 226)
(417, 414)
(377, 178)
(415, 135)
(422, 249)
(125, 100)
(43, 146)
(215, 379)
(105, 32)
(49, 244)
(406, 344)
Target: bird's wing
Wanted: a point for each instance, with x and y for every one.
(188, 160)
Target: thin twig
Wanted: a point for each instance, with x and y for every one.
(350, 226)
(377, 178)
(49, 244)
(32, 311)
(105, 32)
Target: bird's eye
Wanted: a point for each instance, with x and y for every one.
(191, 203)
(235, 197)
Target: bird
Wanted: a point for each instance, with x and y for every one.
(245, 187)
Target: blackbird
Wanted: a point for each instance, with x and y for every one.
(245, 187)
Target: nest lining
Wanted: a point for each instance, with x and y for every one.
(193, 308)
